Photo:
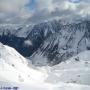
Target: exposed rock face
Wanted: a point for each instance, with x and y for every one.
(17, 35)
(49, 42)
(68, 41)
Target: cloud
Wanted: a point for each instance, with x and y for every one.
(27, 43)
(12, 5)
(67, 9)
(14, 11)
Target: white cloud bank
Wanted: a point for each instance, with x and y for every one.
(14, 11)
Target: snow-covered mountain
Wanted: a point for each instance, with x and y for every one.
(68, 41)
(12, 33)
(18, 30)
(28, 37)
(49, 42)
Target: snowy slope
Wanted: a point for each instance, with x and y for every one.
(15, 72)
(75, 70)
(72, 74)
(15, 68)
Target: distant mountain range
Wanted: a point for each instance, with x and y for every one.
(49, 42)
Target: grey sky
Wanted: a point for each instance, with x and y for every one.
(35, 11)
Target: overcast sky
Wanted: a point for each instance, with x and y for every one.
(35, 11)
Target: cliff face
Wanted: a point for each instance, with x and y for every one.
(70, 40)
(17, 35)
(48, 42)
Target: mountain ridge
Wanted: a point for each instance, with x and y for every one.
(48, 32)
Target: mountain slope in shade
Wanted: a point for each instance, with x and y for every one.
(68, 41)
(18, 30)
(48, 43)
(36, 34)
